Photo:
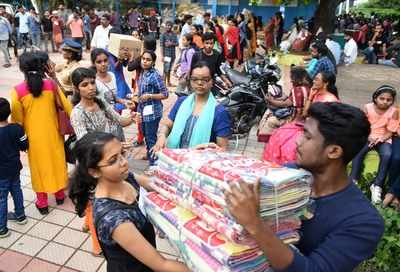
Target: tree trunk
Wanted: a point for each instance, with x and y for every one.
(325, 15)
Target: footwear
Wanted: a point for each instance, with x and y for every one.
(376, 194)
(137, 144)
(43, 211)
(60, 201)
(85, 228)
(388, 200)
(7, 65)
(4, 233)
(19, 220)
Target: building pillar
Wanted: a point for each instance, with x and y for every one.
(214, 8)
(173, 10)
(117, 12)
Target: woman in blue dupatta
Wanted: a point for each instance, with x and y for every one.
(198, 119)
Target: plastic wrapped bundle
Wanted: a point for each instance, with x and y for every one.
(202, 248)
(196, 179)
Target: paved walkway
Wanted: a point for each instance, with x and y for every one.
(56, 243)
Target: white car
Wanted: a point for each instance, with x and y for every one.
(9, 8)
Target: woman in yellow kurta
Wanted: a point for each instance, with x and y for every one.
(33, 106)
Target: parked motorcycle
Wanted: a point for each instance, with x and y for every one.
(246, 103)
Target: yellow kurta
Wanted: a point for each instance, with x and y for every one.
(46, 154)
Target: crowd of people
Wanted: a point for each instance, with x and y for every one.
(321, 134)
(377, 37)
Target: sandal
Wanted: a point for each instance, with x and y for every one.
(85, 228)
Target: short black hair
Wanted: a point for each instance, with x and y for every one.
(208, 36)
(5, 109)
(149, 43)
(343, 125)
(321, 47)
(2, 6)
(198, 65)
(106, 16)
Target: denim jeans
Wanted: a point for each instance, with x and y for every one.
(370, 55)
(4, 49)
(385, 153)
(25, 44)
(48, 38)
(13, 186)
(88, 39)
(387, 62)
(78, 40)
(394, 169)
(150, 134)
(36, 39)
(18, 37)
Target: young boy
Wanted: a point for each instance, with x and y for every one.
(12, 141)
(168, 43)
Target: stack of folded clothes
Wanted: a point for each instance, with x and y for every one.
(195, 181)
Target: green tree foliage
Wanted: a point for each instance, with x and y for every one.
(386, 255)
(394, 4)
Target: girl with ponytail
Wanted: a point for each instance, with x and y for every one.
(126, 237)
(323, 90)
(33, 106)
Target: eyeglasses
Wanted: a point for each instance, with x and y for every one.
(200, 80)
(119, 159)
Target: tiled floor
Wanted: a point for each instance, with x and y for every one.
(54, 242)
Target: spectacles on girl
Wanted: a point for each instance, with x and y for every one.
(118, 159)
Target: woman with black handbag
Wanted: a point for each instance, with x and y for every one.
(34, 107)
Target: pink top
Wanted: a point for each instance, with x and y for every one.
(325, 97)
(76, 28)
(381, 123)
(22, 88)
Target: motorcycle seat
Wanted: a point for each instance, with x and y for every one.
(238, 77)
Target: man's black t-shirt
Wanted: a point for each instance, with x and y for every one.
(214, 61)
(379, 42)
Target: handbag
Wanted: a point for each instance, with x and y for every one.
(64, 123)
(69, 148)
